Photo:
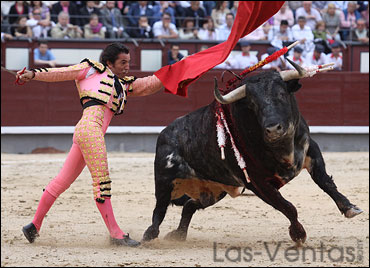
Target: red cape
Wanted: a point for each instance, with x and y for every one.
(250, 15)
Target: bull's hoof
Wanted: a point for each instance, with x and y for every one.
(176, 235)
(353, 211)
(150, 234)
(297, 233)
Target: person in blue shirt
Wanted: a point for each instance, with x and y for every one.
(43, 56)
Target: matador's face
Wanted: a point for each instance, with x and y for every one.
(121, 66)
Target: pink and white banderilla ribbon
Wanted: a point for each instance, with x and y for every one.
(221, 125)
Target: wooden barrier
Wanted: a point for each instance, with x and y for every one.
(329, 99)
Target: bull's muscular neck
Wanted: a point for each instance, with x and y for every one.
(243, 142)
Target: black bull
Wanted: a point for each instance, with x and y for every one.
(271, 135)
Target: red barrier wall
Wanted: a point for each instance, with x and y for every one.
(330, 99)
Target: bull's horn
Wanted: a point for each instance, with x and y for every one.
(293, 74)
(231, 97)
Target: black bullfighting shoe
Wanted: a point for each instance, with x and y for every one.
(30, 232)
(125, 241)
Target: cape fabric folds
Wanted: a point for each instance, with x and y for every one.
(177, 77)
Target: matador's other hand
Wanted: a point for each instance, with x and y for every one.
(25, 75)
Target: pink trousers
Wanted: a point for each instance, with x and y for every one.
(88, 149)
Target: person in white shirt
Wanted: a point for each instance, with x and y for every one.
(278, 64)
(225, 29)
(335, 56)
(301, 32)
(245, 59)
(279, 35)
(311, 14)
(164, 28)
(208, 31)
(317, 57)
(297, 58)
(228, 64)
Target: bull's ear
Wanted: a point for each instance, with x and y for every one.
(293, 85)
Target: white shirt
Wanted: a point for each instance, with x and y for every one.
(310, 60)
(301, 62)
(338, 62)
(299, 34)
(223, 32)
(159, 30)
(309, 22)
(274, 36)
(229, 63)
(205, 34)
(243, 62)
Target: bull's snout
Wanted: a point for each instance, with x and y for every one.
(273, 131)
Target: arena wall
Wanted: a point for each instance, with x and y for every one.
(335, 101)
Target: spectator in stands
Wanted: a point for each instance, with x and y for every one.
(144, 30)
(112, 20)
(317, 57)
(257, 34)
(188, 30)
(208, 6)
(311, 14)
(40, 27)
(5, 29)
(197, 13)
(95, 29)
(280, 36)
(234, 9)
(164, 28)
(245, 59)
(320, 31)
(138, 9)
(64, 29)
(203, 47)
(301, 32)
(228, 64)
(285, 13)
(87, 11)
(225, 29)
(67, 6)
(219, 13)
(43, 56)
(20, 28)
(44, 12)
(5, 8)
(296, 58)
(164, 6)
(340, 5)
(320, 6)
(335, 56)
(278, 64)
(332, 22)
(365, 15)
(174, 54)
(348, 19)
(208, 31)
(18, 9)
(294, 5)
(360, 33)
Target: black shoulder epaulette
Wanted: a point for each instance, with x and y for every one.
(100, 67)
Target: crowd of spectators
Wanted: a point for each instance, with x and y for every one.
(206, 20)
(312, 23)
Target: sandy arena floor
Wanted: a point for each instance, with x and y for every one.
(234, 232)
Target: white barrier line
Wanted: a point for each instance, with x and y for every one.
(158, 129)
